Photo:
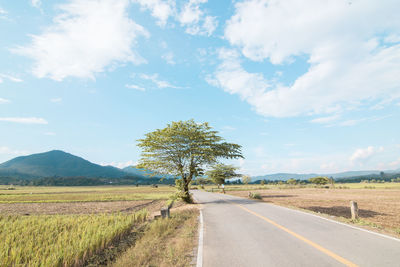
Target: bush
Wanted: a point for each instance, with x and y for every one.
(254, 195)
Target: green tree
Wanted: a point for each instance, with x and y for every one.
(220, 172)
(246, 179)
(184, 149)
(262, 182)
(319, 180)
(292, 181)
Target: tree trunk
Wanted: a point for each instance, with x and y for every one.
(185, 194)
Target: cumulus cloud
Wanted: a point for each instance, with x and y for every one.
(134, 86)
(8, 151)
(9, 78)
(86, 37)
(169, 58)
(351, 63)
(56, 100)
(120, 164)
(3, 100)
(36, 3)
(160, 9)
(156, 81)
(195, 20)
(24, 120)
(362, 155)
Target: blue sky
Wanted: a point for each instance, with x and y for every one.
(303, 86)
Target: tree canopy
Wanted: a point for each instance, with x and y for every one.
(184, 149)
(220, 172)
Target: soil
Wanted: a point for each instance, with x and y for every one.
(377, 207)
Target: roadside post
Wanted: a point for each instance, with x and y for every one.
(354, 210)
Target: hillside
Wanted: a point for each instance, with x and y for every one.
(56, 163)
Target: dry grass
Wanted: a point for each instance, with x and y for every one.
(83, 194)
(79, 207)
(379, 208)
(60, 240)
(166, 242)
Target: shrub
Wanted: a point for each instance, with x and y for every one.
(254, 195)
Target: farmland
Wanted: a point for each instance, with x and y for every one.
(379, 203)
(67, 226)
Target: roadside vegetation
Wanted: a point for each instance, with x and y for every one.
(165, 242)
(60, 240)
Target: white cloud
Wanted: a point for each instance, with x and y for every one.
(3, 100)
(2, 11)
(362, 155)
(9, 77)
(4, 150)
(86, 38)
(134, 86)
(395, 164)
(56, 100)
(159, 83)
(121, 164)
(36, 3)
(160, 9)
(324, 120)
(169, 58)
(349, 66)
(195, 20)
(50, 133)
(24, 120)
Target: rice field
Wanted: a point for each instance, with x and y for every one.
(60, 240)
(83, 194)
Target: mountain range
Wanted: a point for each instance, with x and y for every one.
(57, 163)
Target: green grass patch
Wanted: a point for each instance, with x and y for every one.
(60, 240)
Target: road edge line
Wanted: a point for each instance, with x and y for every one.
(327, 219)
(199, 262)
(341, 223)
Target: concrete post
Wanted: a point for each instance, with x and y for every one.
(354, 210)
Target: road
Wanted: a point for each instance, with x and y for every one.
(242, 232)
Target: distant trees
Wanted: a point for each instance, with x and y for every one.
(292, 181)
(220, 172)
(319, 180)
(184, 149)
(246, 179)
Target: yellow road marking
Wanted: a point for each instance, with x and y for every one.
(302, 238)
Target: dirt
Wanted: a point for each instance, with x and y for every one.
(80, 207)
(377, 207)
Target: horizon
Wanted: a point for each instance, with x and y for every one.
(254, 176)
(322, 97)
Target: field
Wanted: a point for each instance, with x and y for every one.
(68, 226)
(379, 204)
(82, 194)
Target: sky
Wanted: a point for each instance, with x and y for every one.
(303, 86)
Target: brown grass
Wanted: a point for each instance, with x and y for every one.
(379, 208)
(166, 242)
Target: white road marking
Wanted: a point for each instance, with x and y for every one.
(200, 246)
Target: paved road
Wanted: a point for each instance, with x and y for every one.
(241, 232)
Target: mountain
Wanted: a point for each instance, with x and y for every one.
(56, 163)
(296, 176)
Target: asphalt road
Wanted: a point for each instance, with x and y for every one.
(242, 232)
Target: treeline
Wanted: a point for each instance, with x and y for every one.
(85, 181)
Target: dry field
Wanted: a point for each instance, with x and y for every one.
(378, 208)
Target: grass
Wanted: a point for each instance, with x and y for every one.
(59, 240)
(83, 194)
(166, 242)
